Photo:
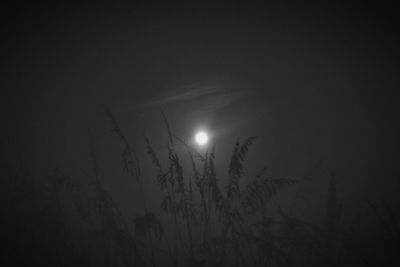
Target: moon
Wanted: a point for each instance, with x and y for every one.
(201, 138)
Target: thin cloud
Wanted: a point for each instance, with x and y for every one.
(220, 101)
(185, 94)
(213, 95)
(196, 99)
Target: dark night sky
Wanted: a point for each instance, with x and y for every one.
(311, 82)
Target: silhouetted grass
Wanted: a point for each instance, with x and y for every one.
(212, 225)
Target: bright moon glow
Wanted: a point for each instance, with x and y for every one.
(201, 138)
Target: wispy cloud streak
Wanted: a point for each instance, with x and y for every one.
(211, 97)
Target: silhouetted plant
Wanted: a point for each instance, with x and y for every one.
(212, 225)
(229, 208)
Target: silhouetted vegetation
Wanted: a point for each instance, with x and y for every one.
(213, 224)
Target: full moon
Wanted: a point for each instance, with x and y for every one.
(201, 138)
